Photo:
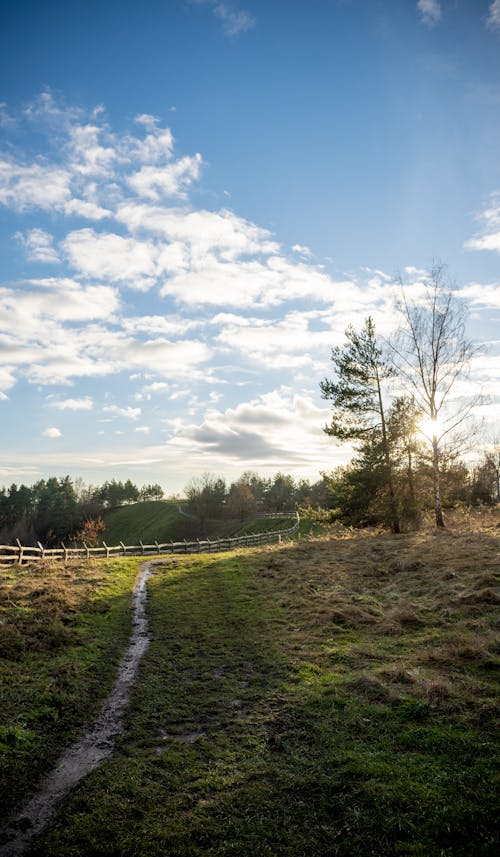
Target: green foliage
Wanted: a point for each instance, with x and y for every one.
(360, 370)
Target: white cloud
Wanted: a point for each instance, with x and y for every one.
(39, 246)
(202, 232)
(430, 12)
(128, 413)
(172, 325)
(87, 155)
(112, 257)
(482, 295)
(274, 343)
(37, 185)
(234, 20)
(155, 387)
(142, 429)
(249, 283)
(172, 180)
(493, 19)
(302, 250)
(83, 208)
(51, 432)
(156, 146)
(84, 404)
(489, 237)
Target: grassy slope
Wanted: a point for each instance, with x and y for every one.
(263, 525)
(330, 698)
(149, 521)
(62, 631)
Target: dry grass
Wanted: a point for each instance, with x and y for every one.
(415, 613)
(39, 603)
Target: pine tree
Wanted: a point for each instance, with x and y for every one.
(357, 398)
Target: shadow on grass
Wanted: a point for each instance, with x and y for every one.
(260, 726)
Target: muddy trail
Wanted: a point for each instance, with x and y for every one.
(96, 745)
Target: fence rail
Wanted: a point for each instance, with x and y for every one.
(19, 554)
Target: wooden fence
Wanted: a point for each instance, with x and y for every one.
(19, 554)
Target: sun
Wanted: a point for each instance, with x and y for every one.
(430, 427)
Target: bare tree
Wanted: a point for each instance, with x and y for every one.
(432, 353)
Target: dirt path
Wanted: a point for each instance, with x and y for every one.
(94, 746)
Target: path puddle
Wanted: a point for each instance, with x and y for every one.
(95, 745)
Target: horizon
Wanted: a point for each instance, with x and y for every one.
(197, 199)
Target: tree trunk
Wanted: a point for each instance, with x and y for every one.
(438, 512)
(411, 482)
(395, 526)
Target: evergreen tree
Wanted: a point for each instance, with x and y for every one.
(357, 399)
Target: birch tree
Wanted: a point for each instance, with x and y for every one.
(432, 353)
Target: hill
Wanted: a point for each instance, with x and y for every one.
(149, 521)
(327, 697)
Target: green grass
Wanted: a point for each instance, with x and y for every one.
(329, 698)
(154, 520)
(62, 632)
(263, 525)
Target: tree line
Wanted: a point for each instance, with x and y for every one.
(210, 498)
(56, 509)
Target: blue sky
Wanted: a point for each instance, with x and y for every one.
(197, 197)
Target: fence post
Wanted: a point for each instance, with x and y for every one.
(42, 549)
(86, 548)
(107, 549)
(198, 545)
(171, 546)
(142, 546)
(20, 560)
(185, 546)
(65, 549)
(157, 547)
(124, 549)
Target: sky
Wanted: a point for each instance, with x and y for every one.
(197, 197)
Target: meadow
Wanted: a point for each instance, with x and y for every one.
(335, 696)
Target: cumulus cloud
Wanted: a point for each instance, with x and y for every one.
(38, 185)
(489, 236)
(112, 257)
(302, 250)
(52, 432)
(128, 413)
(479, 294)
(430, 12)
(39, 246)
(275, 344)
(154, 182)
(84, 404)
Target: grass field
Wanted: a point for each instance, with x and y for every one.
(263, 525)
(334, 697)
(147, 521)
(62, 631)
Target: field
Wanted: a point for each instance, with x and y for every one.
(147, 521)
(328, 697)
(263, 525)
